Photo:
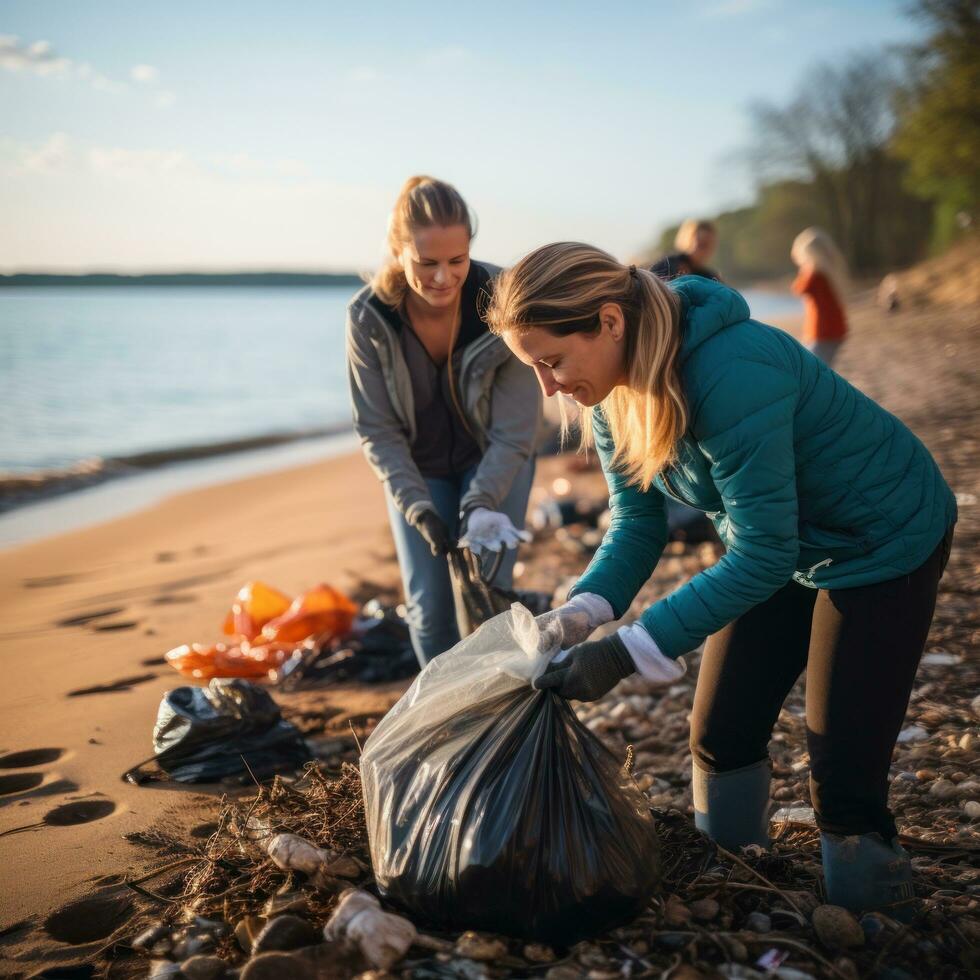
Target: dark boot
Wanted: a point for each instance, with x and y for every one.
(732, 808)
(863, 873)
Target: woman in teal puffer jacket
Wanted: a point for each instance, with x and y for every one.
(836, 521)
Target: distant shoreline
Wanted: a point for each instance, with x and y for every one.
(20, 489)
(183, 279)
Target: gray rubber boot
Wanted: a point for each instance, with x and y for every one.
(732, 808)
(864, 873)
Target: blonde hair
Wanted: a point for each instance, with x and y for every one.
(423, 202)
(687, 235)
(815, 247)
(560, 288)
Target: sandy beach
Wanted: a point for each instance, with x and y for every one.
(87, 616)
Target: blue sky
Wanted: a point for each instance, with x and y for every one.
(219, 135)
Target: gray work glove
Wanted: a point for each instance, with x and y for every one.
(590, 670)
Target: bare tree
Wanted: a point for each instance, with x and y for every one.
(833, 134)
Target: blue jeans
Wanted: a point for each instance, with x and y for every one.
(425, 577)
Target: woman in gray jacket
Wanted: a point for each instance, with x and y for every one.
(447, 416)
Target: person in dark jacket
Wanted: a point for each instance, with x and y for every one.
(695, 241)
(837, 525)
(447, 416)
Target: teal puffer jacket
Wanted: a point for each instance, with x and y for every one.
(803, 476)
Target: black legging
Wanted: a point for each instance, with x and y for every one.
(860, 648)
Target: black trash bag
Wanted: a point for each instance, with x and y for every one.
(377, 649)
(230, 728)
(475, 596)
(490, 806)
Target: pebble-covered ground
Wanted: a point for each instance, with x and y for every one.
(749, 915)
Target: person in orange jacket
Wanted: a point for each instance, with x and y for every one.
(822, 282)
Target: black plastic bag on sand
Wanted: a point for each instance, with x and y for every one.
(490, 806)
(229, 728)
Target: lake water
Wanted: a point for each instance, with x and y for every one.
(96, 373)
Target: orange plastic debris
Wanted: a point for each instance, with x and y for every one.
(268, 630)
(255, 604)
(323, 612)
(222, 660)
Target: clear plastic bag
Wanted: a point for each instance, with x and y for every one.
(490, 806)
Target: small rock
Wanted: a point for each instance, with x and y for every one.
(165, 968)
(278, 966)
(758, 922)
(203, 968)
(926, 775)
(943, 789)
(676, 913)
(151, 937)
(975, 706)
(246, 930)
(967, 742)
(737, 950)
(940, 658)
(873, 927)
(564, 971)
(483, 949)
(538, 953)
(972, 809)
(685, 972)
(672, 940)
(284, 932)
(836, 928)
(914, 733)
(287, 902)
(704, 909)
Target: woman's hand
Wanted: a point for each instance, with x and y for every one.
(433, 528)
(572, 622)
(490, 530)
(591, 670)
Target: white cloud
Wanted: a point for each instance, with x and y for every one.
(246, 165)
(144, 74)
(54, 155)
(50, 156)
(125, 164)
(37, 57)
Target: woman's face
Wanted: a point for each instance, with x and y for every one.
(436, 262)
(585, 366)
(705, 243)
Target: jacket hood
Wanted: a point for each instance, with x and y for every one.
(707, 308)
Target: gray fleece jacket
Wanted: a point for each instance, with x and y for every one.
(499, 396)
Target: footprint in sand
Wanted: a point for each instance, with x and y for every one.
(90, 918)
(115, 627)
(18, 782)
(83, 619)
(30, 757)
(172, 599)
(153, 662)
(69, 815)
(113, 687)
(48, 581)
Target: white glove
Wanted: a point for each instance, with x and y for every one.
(650, 662)
(573, 622)
(490, 530)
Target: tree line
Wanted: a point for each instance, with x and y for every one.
(882, 150)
